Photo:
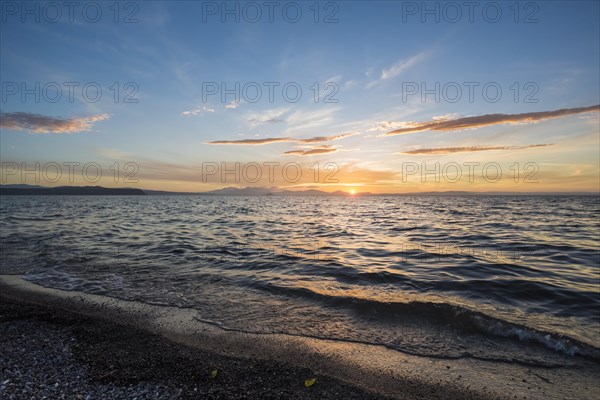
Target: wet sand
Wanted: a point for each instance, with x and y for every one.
(71, 345)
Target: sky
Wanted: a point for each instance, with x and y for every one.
(380, 97)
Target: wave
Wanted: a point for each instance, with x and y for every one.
(459, 317)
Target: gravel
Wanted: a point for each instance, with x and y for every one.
(45, 354)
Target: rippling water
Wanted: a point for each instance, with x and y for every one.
(501, 278)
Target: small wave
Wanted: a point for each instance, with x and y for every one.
(469, 321)
(35, 219)
(406, 228)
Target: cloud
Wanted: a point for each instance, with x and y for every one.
(266, 116)
(232, 104)
(398, 68)
(316, 139)
(445, 117)
(37, 123)
(450, 150)
(315, 150)
(310, 119)
(198, 111)
(383, 126)
(298, 119)
(488, 120)
(252, 141)
(401, 66)
(350, 84)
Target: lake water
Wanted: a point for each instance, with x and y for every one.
(504, 278)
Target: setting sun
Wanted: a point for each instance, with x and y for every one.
(352, 192)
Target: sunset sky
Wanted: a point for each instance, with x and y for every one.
(367, 124)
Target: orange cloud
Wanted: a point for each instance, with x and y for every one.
(450, 150)
(315, 150)
(316, 139)
(252, 141)
(489, 119)
(37, 123)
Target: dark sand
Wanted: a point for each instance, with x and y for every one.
(57, 344)
(59, 355)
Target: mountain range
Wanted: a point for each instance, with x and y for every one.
(23, 189)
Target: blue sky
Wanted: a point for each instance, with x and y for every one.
(371, 54)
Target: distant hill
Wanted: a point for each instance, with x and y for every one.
(232, 191)
(167, 193)
(68, 191)
(229, 191)
(273, 191)
(22, 186)
(260, 191)
(21, 189)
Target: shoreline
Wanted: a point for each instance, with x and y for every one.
(58, 355)
(252, 366)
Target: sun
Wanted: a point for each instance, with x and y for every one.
(352, 192)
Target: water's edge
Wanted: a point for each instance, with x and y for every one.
(373, 367)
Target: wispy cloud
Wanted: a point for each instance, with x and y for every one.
(314, 151)
(266, 117)
(253, 141)
(198, 111)
(382, 126)
(398, 68)
(293, 120)
(489, 119)
(37, 123)
(232, 105)
(468, 149)
(310, 119)
(316, 139)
